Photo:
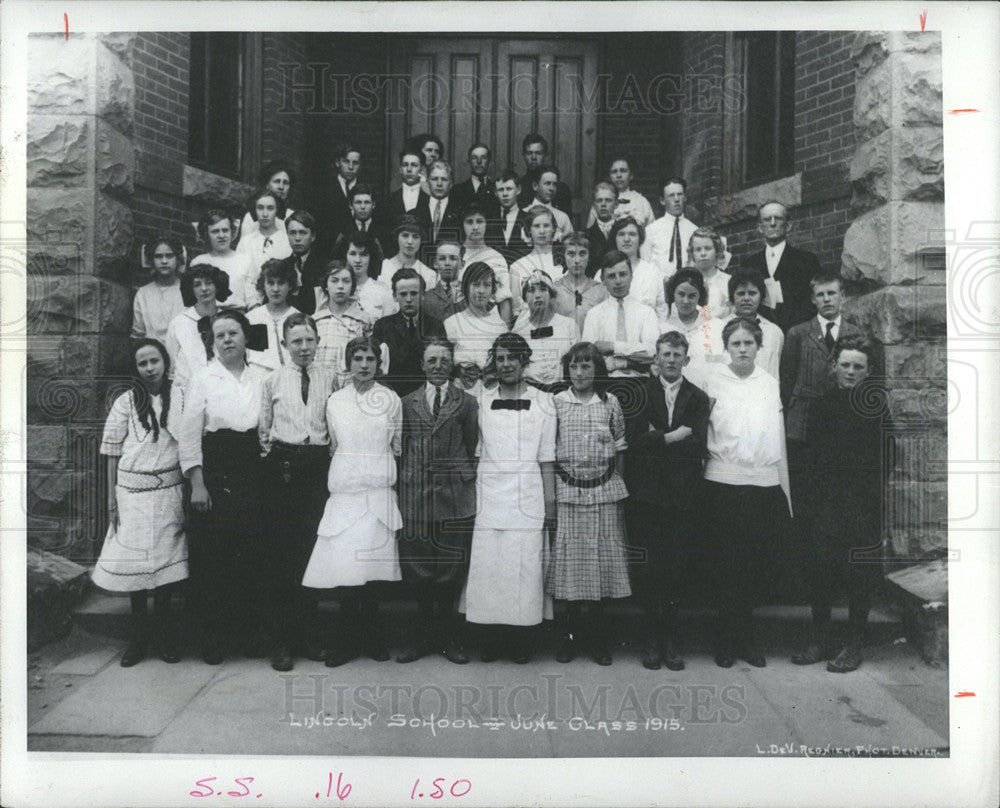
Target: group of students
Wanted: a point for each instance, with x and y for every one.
(575, 425)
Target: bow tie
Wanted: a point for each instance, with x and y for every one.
(515, 404)
(544, 331)
(623, 200)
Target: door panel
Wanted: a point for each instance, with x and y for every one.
(497, 91)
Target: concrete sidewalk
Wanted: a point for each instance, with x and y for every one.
(80, 699)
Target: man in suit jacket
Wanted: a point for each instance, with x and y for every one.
(505, 234)
(409, 198)
(445, 299)
(403, 334)
(362, 198)
(806, 370)
(599, 233)
(535, 150)
(479, 187)
(663, 473)
(437, 485)
(786, 270)
(335, 208)
(308, 260)
(446, 218)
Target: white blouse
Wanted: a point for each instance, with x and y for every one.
(521, 270)
(239, 269)
(746, 431)
(215, 399)
(390, 266)
(473, 335)
(375, 298)
(547, 352)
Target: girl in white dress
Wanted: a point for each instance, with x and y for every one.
(540, 227)
(216, 230)
(159, 301)
(516, 494)
(356, 542)
(550, 335)
(648, 279)
(688, 301)
(269, 240)
(205, 286)
(145, 548)
(475, 248)
(363, 254)
(474, 329)
(707, 252)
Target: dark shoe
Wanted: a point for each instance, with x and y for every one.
(651, 659)
(134, 654)
(849, 659)
(335, 657)
(752, 656)
(489, 655)
(673, 660)
(602, 654)
(455, 653)
(212, 656)
(282, 659)
(169, 652)
(310, 651)
(520, 657)
(566, 651)
(725, 659)
(409, 654)
(376, 650)
(811, 654)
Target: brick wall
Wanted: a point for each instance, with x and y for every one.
(703, 67)
(160, 65)
(282, 123)
(640, 115)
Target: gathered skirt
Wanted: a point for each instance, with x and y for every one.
(148, 549)
(588, 556)
(352, 551)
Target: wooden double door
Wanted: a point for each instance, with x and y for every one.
(496, 91)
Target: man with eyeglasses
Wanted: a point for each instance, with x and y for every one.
(785, 269)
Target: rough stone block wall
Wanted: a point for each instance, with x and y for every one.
(81, 178)
(894, 249)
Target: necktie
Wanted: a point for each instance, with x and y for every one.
(277, 345)
(437, 217)
(621, 335)
(437, 402)
(298, 269)
(411, 330)
(675, 244)
(305, 385)
(447, 289)
(828, 339)
(579, 297)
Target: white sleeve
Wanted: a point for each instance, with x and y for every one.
(192, 424)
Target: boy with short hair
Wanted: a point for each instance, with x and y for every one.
(663, 475)
(296, 444)
(438, 502)
(445, 299)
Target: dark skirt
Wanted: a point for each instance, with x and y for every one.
(436, 552)
(224, 543)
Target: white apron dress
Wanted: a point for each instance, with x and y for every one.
(149, 548)
(506, 575)
(356, 540)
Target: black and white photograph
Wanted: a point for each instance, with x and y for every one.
(563, 403)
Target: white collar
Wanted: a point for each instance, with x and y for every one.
(823, 321)
(671, 386)
(569, 396)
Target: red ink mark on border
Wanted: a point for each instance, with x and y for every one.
(964, 694)
(923, 19)
(66, 21)
(961, 111)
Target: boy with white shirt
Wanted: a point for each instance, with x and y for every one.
(545, 188)
(630, 202)
(667, 238)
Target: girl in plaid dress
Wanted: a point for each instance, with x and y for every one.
(588, 558)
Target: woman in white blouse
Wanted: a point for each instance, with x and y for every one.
(540, 228)
(474, 329)
(275, 176)
(687, 298)
(550, 335)
(362, 253)
(216, 230)
(475, 248)
(269, 240)
(746, 486)
(220, 454)
(159, 301)
(205, 286)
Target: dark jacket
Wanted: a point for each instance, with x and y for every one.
(389, 213)
(795, 269)
(438, 465)
(439, 305)
(304, 298)
(513, 249)
(405, 355)
(662, 474)
(462, 196)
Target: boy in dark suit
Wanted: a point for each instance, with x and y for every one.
(404, 333)
(806, 371)
(445, 299)
(505, 234)
(479, 187)
(663, 473)
(599, 233)
(408, 199)
(438, 502)
(335, 209)
(306, 259)
(786, 270)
